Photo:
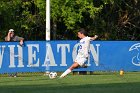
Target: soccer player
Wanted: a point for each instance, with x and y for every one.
(83, 51)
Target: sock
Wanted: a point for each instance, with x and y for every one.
(65, 73)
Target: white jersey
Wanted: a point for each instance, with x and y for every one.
(84, 47)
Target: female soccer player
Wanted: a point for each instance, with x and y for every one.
(83, 51)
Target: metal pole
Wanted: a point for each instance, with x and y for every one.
(47, 69)
(47, 19)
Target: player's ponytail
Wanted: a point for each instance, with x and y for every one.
(82, 31)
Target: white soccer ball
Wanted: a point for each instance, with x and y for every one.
(52, 75)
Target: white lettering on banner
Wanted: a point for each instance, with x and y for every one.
(32, 55)
(12, 56)
(1, 54)
(63, 52)
(95, 54)
(74, 52)
(20, 56)
(135, 59)
(49, 56)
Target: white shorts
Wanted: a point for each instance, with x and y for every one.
(80, 60)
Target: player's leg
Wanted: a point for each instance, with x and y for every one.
(82, 62)
(73, 66)
(79, 61)
(82, 66)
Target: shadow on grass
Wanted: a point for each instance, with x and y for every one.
(65, 88)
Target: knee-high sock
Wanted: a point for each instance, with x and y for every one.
(65, 73)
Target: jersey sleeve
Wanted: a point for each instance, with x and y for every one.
(88, 38)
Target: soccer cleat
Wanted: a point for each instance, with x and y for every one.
(61, 77)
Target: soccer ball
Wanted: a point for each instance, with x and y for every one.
(52, 75)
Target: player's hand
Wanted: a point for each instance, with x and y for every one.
(96, 36)
(9, 32)
(21, 43)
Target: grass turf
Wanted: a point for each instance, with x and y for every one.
(102, 83)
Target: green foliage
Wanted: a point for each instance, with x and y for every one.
(71, 11)
(111, 19)
(120, 20)
(73, 14)
(7, 16)
(25, 16)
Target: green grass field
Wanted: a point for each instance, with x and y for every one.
(102, 83)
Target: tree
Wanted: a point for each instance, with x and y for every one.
(110, 19)
(8, 9)
(69, 14)
(118, 20)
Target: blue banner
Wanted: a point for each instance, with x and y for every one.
(39, 56)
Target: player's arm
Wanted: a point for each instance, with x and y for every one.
(93, 38)
(8, 37)
(20, 39)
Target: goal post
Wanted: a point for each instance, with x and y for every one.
(47, 20)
